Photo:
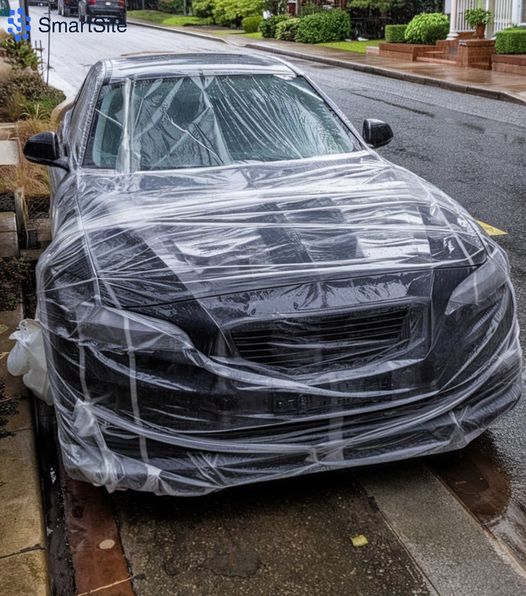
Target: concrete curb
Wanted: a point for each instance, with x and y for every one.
(442, 537)
(393, 74)
(365, 68)
(176, 30)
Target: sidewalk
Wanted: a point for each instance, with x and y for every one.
(23, 555)
(486, 83)
(23, 552)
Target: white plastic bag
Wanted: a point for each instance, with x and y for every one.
(28, 358)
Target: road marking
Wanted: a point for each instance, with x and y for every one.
(490, 230)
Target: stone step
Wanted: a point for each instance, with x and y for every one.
(8, 235)
(436, 60)
(481, 65)
(9, 155)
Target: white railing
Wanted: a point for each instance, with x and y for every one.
(462, 6)
(503, 14)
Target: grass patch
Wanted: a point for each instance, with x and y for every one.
(165, 18)
(358, 47)
(256, 35)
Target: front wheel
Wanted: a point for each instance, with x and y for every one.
(67, 11)
(82, 19)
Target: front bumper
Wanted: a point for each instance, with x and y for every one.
(164, 415)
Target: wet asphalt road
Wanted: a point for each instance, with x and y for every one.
(474, 149)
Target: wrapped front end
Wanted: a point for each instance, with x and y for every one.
(347, 372)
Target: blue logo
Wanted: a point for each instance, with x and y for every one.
(19, 30)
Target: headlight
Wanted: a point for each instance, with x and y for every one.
(483, 282)
(113, 330)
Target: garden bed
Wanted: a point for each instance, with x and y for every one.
(404, 51)
(511, 63)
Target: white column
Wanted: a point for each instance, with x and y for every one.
(490, 29)
(517, 12)
(453, 20)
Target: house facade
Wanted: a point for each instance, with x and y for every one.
(507, 12)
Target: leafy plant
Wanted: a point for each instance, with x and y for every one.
(232, 12)
(251, 24)
(267, 27)
(22, 91)
(511, 41)
(287, 29)
(19, 54)
(427, 28)
(322, 27)
(203, 8)
(478, 16)
(395, 33)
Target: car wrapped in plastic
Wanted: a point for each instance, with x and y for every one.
(240, 289)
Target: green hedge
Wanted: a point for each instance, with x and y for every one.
(267, 27)
(324, 26)
(511, 41)
(427, 28)
(287, 29)
(203, 8)
(395, 33)
(251, 24)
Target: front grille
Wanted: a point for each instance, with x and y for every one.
(340, 339)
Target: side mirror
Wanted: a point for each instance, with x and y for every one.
(376, 133)
(43, 149)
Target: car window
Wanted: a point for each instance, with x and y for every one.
(189, 122)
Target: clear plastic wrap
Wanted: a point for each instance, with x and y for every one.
(239, 290)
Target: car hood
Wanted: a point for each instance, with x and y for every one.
(218, 230)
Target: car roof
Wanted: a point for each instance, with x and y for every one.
(173, 64)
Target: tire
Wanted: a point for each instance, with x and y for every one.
(89, 19)
(82, 18)
(67, 11)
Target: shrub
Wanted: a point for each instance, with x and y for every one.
(19, 54)
(173, 6)
(251, 24)
(322, 27)
(203, 8)
(427, 28)
(267, 27)
(511, 41)
(395, 33)
(230, 13)
(286, 30)
(25, 95)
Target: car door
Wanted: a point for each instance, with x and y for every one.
(71, 134)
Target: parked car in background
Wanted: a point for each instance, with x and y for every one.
(239, 288)
(67, 8)
(90, 10)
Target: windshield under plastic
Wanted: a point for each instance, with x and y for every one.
(206, 121)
